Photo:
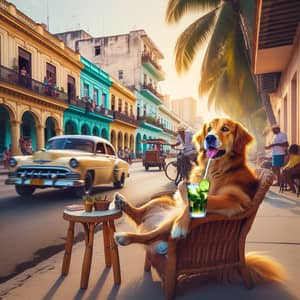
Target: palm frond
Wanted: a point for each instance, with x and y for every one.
(191, 39)
(214, 60)
(176, 9)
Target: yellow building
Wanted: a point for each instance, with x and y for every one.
(123, 128)
(39, 77)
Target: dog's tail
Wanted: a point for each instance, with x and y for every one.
(264, 269)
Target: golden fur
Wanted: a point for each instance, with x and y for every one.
(233, 185)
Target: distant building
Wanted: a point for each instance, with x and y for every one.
(186, 109)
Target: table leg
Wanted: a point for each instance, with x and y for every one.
(68, 249)
(114, 253)
(106, 244)
(87, 260)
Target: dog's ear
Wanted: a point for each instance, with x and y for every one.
(198, 138)
(241, 139)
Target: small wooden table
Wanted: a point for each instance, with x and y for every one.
(89, 220)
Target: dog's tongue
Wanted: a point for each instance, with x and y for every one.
(211, 152)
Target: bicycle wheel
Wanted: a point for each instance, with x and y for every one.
(171, 170)
(179, 174)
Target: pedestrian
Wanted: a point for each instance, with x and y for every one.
(185, 138)
(121, 153)
(279, 150)
(292, 168)
(5, 157)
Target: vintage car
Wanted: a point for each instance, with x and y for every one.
(79, 162)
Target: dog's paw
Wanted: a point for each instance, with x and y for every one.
(119, 201)
(121, 238)
(178, 232)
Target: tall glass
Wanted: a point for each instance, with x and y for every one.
(197, 194)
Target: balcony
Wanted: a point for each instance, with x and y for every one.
(90, 107)
(25, 82)
(151, 93)
(171, 132)
(151, 121)
(125, 118)
(153, 67)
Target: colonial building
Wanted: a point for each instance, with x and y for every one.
(133, 59)
(90, 114)
(276, 61)
(39, 76)
(123, 128)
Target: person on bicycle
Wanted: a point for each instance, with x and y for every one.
(185, 138)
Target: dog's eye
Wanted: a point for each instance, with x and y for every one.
(224, 129)
(209, 129)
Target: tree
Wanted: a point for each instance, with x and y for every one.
(225, 26)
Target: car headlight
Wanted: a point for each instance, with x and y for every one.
(12, 162)
(74, 163)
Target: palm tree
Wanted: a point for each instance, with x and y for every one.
(225, 73)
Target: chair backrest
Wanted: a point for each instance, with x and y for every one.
(220, 241)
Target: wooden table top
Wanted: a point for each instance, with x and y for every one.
(93, 216)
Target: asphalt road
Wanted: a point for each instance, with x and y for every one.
(33, 229)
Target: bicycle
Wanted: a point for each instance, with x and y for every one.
(176, 170)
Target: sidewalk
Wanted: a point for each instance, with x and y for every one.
(275, 232)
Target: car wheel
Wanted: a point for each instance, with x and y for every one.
(87, 188)
(24, 191)
(120, 183)
(146, 168)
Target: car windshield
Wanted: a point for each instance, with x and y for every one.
(70, 144)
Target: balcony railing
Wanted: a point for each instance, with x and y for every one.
(147, 58)
(125, 118)
(12, 77)
(169, 131)
(89, 106)
(150, 87)
(151, 121)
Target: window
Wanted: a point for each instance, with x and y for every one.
(100, 148)
(71, 88)
(85, 90)
(120, 105)
(96, 96)
(145, 79)
(51, 73)
(104, 100)
(131, 110)
(113, 100)
(110, 150)
(126, 108)
(121, 74)
(97, 50)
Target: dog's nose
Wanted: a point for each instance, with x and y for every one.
(211, 140)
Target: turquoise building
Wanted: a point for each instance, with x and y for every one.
(90, 113)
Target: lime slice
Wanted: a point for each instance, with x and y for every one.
(204, 185)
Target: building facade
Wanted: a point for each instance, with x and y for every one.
(133, 59)
(90, 113)
(276, 61)
(123, 128)
(39, 76)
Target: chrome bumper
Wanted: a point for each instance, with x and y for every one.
(45, 182)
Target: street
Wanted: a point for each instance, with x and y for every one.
(33, 229)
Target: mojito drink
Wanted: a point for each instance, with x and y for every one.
(197, 194)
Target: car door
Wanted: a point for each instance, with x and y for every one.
(111, 156)
(103, 166)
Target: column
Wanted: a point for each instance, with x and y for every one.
(15, 137)
(40, 136)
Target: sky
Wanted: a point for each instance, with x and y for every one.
(112, 17)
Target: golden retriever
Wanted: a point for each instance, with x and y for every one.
(233, 185)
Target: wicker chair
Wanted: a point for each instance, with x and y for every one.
(213, 244)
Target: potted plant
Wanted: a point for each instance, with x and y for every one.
(101, 203)
(88, 203)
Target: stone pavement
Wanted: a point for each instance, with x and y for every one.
(275, 232)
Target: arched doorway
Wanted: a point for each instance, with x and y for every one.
(70, 128)
(131, 145)
(126, 140)
(96, 131)
(113, 139)
(120, 140)
(85, 130)
(5, 132)
(49, 129)
(138, 145)
(144, 145)
(104, 133)
(28, 129)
